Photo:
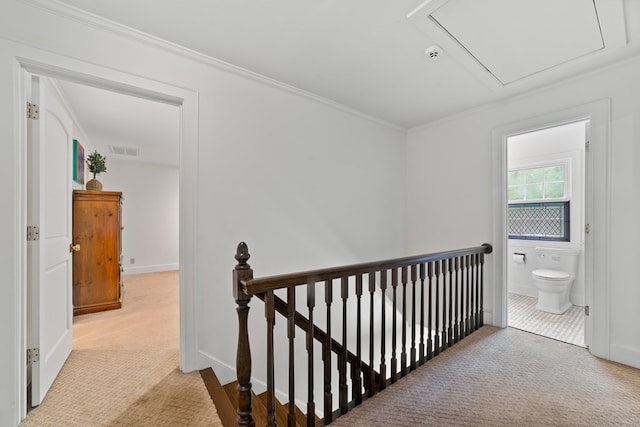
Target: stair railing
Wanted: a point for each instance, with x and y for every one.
(450, 307)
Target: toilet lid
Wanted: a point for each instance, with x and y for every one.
(551, 274)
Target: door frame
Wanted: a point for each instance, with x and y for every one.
(596, 243)
(576, 158)
(109, 79)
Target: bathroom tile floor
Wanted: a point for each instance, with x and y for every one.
(567, 327)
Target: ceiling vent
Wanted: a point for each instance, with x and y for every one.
(124, 151)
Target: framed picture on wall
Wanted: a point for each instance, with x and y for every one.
(78, 162)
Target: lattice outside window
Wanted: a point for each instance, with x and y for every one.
(539, 221)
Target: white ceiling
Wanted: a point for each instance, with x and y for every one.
(533, 39)
(369, 55)
(111, 119)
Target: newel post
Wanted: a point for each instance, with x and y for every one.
(241, 272)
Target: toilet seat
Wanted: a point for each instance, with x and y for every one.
(551, 275)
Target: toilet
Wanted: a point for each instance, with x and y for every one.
(555, 271)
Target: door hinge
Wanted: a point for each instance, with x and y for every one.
(33, 356)
(586, 310)
(587, 146)
(33, 111)
(33, 233)
(587, 228)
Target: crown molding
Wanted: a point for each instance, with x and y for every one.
(524, 95)
(83, 17)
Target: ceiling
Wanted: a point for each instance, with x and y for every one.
(124, 126)
(370, 55)
(513, 49)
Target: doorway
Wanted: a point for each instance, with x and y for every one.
(545, 223)
(184, 101)
(150, 227)
(597, 215)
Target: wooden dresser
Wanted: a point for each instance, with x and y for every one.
(97, 219)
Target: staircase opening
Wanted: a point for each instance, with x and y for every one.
(360, 329)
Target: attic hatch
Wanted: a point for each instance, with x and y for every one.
(124, 151)
(527, 39)
(513, 39)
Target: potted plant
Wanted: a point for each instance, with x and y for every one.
(96, 163)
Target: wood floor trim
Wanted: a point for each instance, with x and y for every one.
(225, 409)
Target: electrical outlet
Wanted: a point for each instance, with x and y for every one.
(132, 261)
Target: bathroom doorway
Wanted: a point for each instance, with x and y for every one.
(545, 222)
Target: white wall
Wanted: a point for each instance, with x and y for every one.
(78, 134)
(450, 186)
(560, 143)
(306, 184)
(150, 209)
(149, 213)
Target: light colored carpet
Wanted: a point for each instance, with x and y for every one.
(567, 327)
(507, 377)
(123, 370)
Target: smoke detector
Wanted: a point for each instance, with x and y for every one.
(432, 52)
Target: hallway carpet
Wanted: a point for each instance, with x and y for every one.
(123, 370)
(507, 377)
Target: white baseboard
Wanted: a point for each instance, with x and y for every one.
(149, 268)
(487, 319)
(625, 355)
(225, 373)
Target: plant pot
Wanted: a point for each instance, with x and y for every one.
(94, 185)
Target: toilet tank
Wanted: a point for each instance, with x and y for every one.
(562, 259)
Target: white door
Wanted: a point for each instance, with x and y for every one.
(50, 311)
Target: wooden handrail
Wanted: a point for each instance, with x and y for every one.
(272, 283)
(321, 336)
(450, 284)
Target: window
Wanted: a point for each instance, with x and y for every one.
(539, 221)
(538, 203)
(540, 183)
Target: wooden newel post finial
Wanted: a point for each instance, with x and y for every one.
(243, 272)
(242, 256)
